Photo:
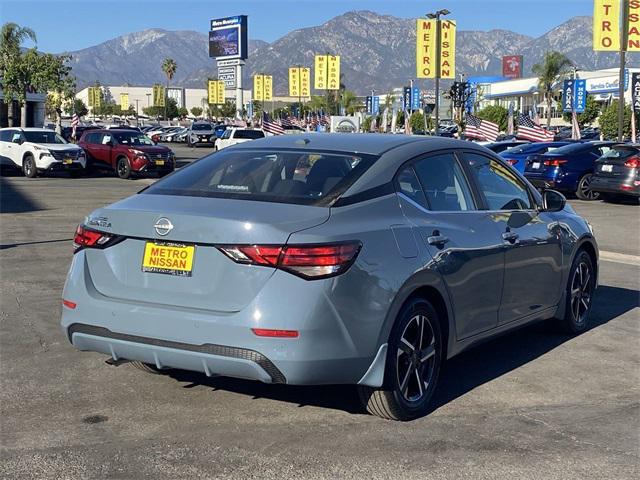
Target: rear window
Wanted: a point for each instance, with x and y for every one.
(297, 177)
(250, 134)
(621, 152)
(200, 126)
(574, 147)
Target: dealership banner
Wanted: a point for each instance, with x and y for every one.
(327, 72)
(124, 101)
(425, 48)
(606, 25)
(263, 88)
(574, 95)
(633, 34)
(635, 91)
(299, 82)
(512, 66)
(215, 91)
(448, 49)
(158, 95)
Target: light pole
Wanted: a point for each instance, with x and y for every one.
(436, 16)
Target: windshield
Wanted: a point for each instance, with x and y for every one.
(286, 177)
(44, 136)
(200, 126)
(132, 138)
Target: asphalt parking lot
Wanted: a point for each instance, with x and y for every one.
(532, 404)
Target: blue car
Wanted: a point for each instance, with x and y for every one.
(567, 169)
(517, 156)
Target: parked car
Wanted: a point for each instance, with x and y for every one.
(127, 152)
(517, 156)
(617, 173)
(220, 128)
(498, 147)
(567, 169)
(244, 265)
(201, 133)
(235, 135)
(170, 135)
(67, 132)
(36, 150)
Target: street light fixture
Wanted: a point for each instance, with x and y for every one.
(436, 15)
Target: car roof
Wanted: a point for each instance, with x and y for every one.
(368, 143)
(29, 129)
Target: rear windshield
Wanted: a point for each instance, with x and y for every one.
(297, 177)
(575, 147)
(621, 152)
(200, 126)
(250, 134)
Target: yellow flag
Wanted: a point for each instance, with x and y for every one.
(321, 71)
(220, 92)
(633, 38)
(294, 81)
(333, 76)
(305, 82)
(268, 88)
(158, 96)
(425, 48)
(448, 49)
(124, 101)
(606, 25)
(258, 89)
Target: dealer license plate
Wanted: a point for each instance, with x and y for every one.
(607, 168)
(170, 259)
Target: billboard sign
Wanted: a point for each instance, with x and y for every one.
(228, 38)
(635, 91)
(227, 75)
(512, 66)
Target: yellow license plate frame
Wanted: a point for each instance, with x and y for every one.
(67, 161)
(159, 162)
(168, 258)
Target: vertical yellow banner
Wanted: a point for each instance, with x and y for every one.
(320, 80)
(425, 48)
(606, 25)
(124, 101)
(92, 101)
(97, 97)
(258, 88)
(268, 88)
(633, 39)
(158, 96)
(333, 65)
(448, 49)
(220, 92)
(294, 81)
(305, 82)
(211, 92)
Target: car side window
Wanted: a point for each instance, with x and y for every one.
(444, 183)
(5, 135)
(105, 139)
(15, 136)
(409, 185)
(501, 188)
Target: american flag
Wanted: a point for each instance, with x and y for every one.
(528, 130)
(75, 121)
(481, 129)
(273, 127)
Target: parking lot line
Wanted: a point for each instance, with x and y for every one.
(620, 258)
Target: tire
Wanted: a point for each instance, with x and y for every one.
(29, 167)
(411, 372)
(584, 191)
(579, 294)
(76, 173)
(149, 368)
(123, 168)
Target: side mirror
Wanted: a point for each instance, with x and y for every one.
(17, 141)
(553, 201)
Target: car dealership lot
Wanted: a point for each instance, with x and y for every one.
(531, 404)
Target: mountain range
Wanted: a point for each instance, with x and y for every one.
(377, 52)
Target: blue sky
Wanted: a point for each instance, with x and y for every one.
(70, 25)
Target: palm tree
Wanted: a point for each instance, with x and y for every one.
(12, 36)
(554, 67)
(349, 102)
(169, 67)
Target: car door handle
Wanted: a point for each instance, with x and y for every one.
(437, 240)
(510, 237)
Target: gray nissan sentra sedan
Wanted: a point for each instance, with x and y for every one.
(327, 259)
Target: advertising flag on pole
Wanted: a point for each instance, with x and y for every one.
(633, 34)
(258, 87)
(415, 98)
(580, 95)
(124, 101)
(567, 95)
(268, 88)
(425, 48)
(333, 78)
(294, 81)
(606, 25)
(305, 82)
(375, 105)
(215, 90)
(448, 49)
(320, 72)
(158, 95)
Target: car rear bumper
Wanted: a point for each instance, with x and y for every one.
(222, 343)
(615, 185)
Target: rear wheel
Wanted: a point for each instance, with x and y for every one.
(584, 191)
(29, 167)
(123, 168)
(580, 288)
(149, 368)
(414, 358)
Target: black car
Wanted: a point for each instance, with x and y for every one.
(617, 173)
(498, 147)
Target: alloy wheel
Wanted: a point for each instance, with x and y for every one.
(585, 189)
(581, 292)
(415, 358)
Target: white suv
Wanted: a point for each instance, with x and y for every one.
(39, 149)
(234, 135)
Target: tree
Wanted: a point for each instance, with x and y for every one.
(590, 114)
(350, 102)
(183, 112)
(554, 67)
(366, 124)
(495, 114)
(416, 120)
(53, 75)
(169, 67)
(171, 108)
(196, 111)
(609, 121)
(317, 103)
(12, 36)
(76, 106)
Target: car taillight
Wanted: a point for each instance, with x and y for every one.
(633, 162)
(306, 261)
(87, 238)
(555, 162)
(512, 161)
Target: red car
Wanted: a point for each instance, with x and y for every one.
(127, 152)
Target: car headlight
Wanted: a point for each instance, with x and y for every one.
(138, 153)
(81, 154)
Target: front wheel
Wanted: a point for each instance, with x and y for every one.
(584, 191)
(29, 167)
(414, 358)
(123, 168)
(580, 288)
